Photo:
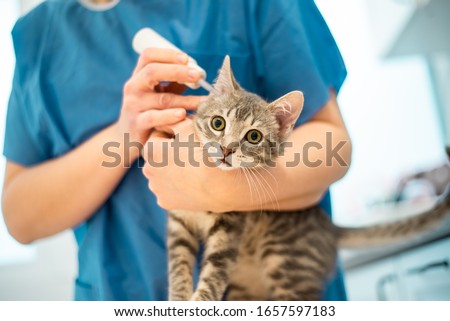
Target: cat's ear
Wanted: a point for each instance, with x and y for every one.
(225, 82)
(287, 109)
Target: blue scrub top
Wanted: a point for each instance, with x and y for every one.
(71, 66)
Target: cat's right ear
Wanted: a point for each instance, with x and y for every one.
(225, 82)
(287, 109)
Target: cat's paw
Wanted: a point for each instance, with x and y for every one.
(195, 297)
(202, 295)
(178, 297)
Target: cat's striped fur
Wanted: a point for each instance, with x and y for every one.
(264, 255)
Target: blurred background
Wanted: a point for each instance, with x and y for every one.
(396, 104)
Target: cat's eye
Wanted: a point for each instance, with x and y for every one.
(218, 123)
(253, 136)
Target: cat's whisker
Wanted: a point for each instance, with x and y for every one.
(271, 175)
(252, 181)
(249, 185)
(270, 189)
(252, 175)
(261, 184)
(236, 178)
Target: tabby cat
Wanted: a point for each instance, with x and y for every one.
(262, 255)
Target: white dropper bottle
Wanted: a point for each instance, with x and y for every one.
(148, 37)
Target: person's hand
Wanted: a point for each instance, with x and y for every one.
(148, 104)
(196, 185)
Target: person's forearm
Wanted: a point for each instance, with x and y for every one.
(319, 155)
(61, 193)
(299, 180)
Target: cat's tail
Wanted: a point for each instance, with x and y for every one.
(403, 229)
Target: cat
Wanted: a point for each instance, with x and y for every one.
(262, 255)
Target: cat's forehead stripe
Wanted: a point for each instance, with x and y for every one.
(243, 112)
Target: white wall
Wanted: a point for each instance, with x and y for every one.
(27, 5)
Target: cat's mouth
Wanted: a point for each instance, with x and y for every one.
(225, 165)
(225, 162)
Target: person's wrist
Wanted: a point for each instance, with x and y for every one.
(128, 150)
(231, 196)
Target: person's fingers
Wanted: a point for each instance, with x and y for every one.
(148, 172)
(180, 127)
(151, 100)
(161, 55)
(153, 149)
(152, 74)
(154, 118)
(158, 135)
(167, 130)
(153, 145)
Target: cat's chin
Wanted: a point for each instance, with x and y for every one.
(226, 167)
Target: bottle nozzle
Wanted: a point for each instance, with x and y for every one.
(147, 37)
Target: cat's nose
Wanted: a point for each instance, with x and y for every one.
(227, 151)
